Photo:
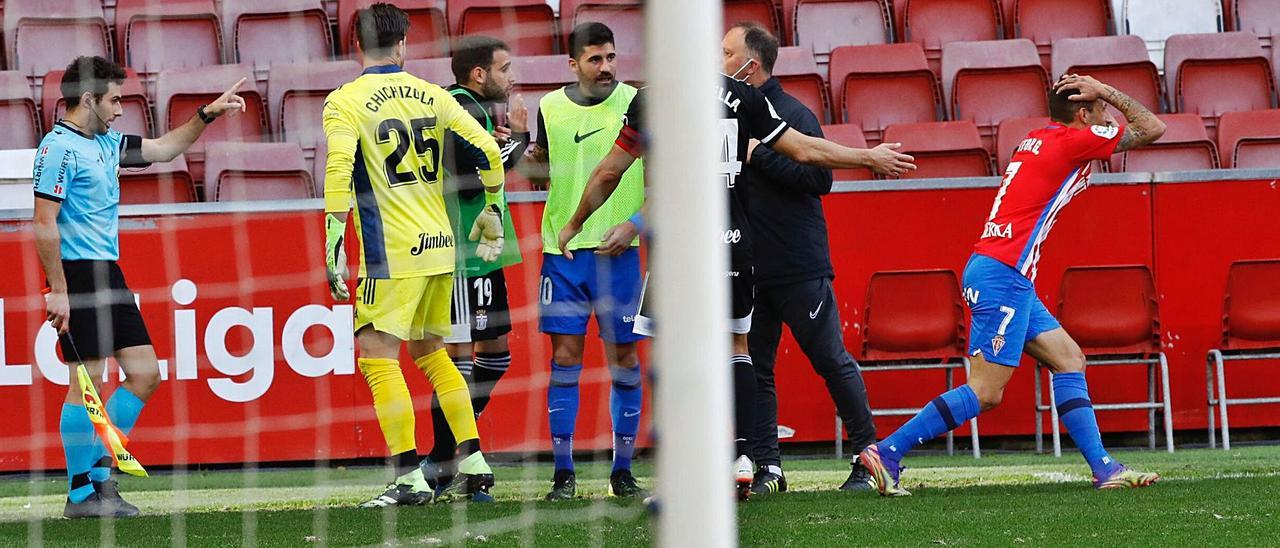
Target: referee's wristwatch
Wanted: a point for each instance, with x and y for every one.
(204, 116)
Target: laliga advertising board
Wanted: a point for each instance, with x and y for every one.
(253, 354)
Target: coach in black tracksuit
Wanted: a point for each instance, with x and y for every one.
(793, 275)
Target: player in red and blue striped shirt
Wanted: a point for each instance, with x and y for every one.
(1046, 171)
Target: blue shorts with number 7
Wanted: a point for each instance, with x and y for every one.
(1005, 311)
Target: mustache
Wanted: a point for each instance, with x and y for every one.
(605, 76)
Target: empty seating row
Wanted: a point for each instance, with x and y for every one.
(955, 149)
(155, 35)
(878, 85)
(235, 172)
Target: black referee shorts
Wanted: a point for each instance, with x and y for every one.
(104, 316)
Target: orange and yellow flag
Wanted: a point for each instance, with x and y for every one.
(114, 439)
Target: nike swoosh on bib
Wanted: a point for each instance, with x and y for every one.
(578, 137)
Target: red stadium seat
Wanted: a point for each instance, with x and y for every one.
(933, 23)
(1251, 313)
(152, 36)
(915, 321)
(436, 71)
(17, 112)
(1250, 331)
(1211, 74)
(1185, 146)
(1047, 21)
(136, 119)
(942, 149)
(428, 31)
(914, 315)
(849, 135)
(875, 86)
(528, 26)
(1257, 16)
(180, 92)
(763, 12)
(296, 94)
(257, 171)
(624, 17)
(799, 75)
(1112, 312)
(161, 183)
(1250, 139)
(264, 32)
(1120, 61)
(538, 76)
(823, 25)
(1010, 133)
(43, 35)
(1275, 56)
(989, 81)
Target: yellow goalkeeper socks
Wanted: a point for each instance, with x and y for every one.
(451, 391)
(391, 401)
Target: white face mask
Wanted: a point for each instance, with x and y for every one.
(740, 69)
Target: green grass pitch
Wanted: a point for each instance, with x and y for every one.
(1206, 497)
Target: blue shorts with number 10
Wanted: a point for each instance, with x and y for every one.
(1006, 313)
(570, 290)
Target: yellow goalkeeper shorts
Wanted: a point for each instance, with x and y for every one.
(408, 308)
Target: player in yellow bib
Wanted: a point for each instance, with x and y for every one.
(574, 128)
(384, 131)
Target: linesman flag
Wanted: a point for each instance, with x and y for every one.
(114, 439)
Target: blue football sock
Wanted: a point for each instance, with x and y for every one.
(79, 447)
(562, 411)
(624, 406)
(1076, 412)
(123, 407)
(942, 415)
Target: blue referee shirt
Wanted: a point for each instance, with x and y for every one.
(83, 173)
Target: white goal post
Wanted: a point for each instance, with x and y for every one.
(691, 297)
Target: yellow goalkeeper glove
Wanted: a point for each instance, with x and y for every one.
(488, 229)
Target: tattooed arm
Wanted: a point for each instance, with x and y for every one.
(1142, 127)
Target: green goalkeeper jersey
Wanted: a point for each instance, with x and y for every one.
(464, 196)
(576, 137)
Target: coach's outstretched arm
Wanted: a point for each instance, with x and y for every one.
(1142, 127)
(883, 159)
(179, 139)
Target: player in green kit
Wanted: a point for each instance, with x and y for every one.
(576, 126)
(481, 314)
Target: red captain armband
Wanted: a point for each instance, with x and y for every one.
(631, 141)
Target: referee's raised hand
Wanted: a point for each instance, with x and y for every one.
(886, 160)
(227, 102)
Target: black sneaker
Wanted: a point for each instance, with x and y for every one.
(109, 490)
(92, 507)
(472, 487)
(767, 482)
(564, 486)
(401, 494)
(623, 484)
(859, 479)
(438, 478)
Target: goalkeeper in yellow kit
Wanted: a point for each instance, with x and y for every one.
(384, 131)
